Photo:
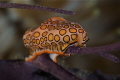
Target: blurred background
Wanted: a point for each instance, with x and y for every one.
(100, 19)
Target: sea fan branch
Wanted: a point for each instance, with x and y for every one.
(35, 7)
(45, 63)
(101, 50)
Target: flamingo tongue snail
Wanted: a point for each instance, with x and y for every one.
(54, 36)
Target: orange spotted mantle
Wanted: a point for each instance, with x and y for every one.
(54, 36)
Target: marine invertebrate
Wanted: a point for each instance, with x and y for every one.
(43, 62)
(54, 36)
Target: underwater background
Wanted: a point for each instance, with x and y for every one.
(100, 19)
